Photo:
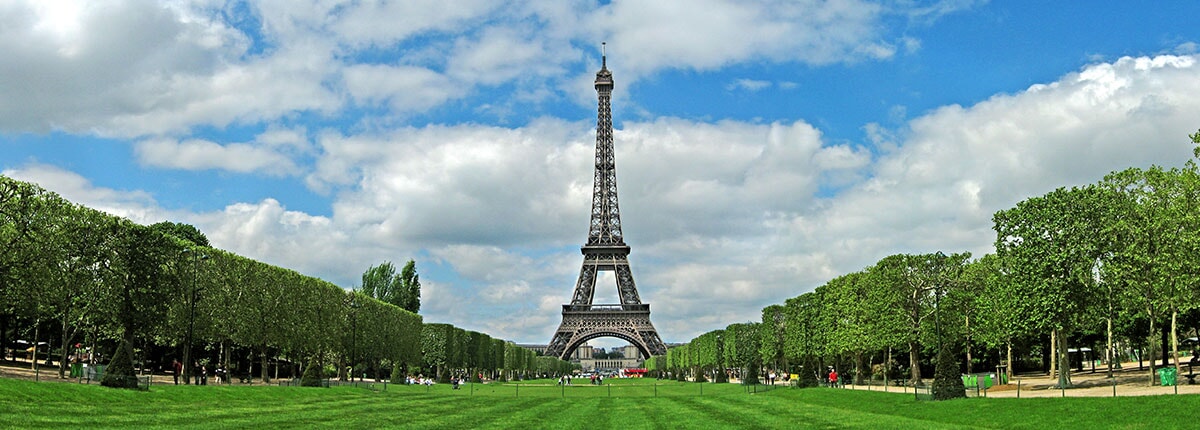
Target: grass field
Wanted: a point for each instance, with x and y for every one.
(634, 404)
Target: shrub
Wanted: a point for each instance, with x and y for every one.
(119, 373)
(947, 382)
(751, 377)
(398, 375)
(312, 375)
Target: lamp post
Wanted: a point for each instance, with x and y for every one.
(194, 292)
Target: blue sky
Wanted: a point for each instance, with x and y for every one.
(763, 147)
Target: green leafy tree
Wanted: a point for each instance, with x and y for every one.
(382, 283)
(771, 336)
(1001, 317)
(403, 290)
(186, 232)
(742, 350)
(410, 287)
(805, 340)
(1053, 244)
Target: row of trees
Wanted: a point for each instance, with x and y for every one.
(1112, 263)
(449, 349)
(158, 292)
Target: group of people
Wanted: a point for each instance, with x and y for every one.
(199, 373)
(419, 380)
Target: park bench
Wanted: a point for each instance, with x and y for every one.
(1191, 375)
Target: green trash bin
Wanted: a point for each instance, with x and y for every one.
(1167, 376)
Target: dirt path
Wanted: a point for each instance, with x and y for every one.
(1129, 382)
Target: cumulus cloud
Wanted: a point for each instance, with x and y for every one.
(750, 85)
(136, 68)
(665, 34)
(138, 206)
(198, 154)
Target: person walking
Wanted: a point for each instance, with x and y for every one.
(176, 369)
(833, 377)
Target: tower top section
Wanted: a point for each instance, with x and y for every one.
(604, 79)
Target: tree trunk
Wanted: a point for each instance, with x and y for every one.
(1108, 348)
(262, 356)
(1054, 352)
(1149, 342)
(858, 370)
(67, 335)
(1064, 362)
(968, 325)
(914, 361)
(1175, 338)
(887, 366)
(36, 325)
(1009, 371)
(3, 335)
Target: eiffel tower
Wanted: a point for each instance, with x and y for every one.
(605, 250)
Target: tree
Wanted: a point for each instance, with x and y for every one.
(135, 271)
(1155, 251)
(410, 287)
(403, 290)
(1053, 245)
(771, 335)
(742, 350)
(1001, 317)
(804, 342)
(186, 232)
(917, 282)
(381, 283)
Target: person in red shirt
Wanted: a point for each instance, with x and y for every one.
(177, 367)
(833, 377)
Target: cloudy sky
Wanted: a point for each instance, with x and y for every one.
(763, 147)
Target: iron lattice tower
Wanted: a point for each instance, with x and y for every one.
(605, 250)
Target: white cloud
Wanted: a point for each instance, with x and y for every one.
(197, 154)
(138, 68)
(708, 34)
(404, 88)
(135, 205)
(750, 85)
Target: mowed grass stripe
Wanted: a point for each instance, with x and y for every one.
(26, 404)
(796, 411)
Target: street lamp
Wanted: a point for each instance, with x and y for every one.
(188, 369)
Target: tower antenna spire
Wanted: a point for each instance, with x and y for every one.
(603, 56)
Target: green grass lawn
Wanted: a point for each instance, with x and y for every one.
(633, 404)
